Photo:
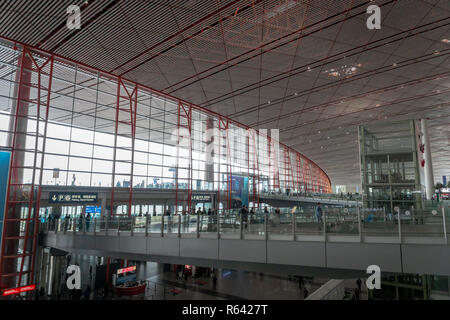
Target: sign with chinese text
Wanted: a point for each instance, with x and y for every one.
(73, 197)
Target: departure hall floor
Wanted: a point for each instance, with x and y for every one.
(231, 285)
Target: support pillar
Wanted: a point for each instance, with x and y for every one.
(429, 179)
(18, 122)
(103, 208)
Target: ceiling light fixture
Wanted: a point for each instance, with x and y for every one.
(344, 71)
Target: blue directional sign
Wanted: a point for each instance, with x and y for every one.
(5, 157)
(93, 209)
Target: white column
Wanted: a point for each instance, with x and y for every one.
(429, 179)
(103, 208)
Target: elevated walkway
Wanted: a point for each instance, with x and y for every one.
(339, 247)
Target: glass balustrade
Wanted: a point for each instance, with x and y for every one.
(429, 222)
(229, 223)
(306, 223)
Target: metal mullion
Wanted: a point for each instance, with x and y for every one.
(95, 123)
(133, 129)
(177, 158)
(115, 147)
(256, 155)
(229, 167)
(71, 123)
(189, 200)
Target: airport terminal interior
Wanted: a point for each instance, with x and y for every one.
(225, 150)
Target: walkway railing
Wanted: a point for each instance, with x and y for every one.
(335, 221)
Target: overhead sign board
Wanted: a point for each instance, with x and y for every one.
(127, 269)
(201, 197)
(93, 209)
(73, 197)
(8, 292)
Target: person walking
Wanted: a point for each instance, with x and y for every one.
(358, 283)
(319, 215)
(80, 222)
(305, 293)
(301, 283)
(214, 279)
(88, 221)
(244, 213)
(87, 293)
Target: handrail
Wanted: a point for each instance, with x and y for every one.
(335, 221)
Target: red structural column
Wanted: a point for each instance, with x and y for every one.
(184, 121)
(228, 166)
(24, 196)
(255, 165)
(273, 163)
(288, 172)
(224, 126)
(298, 162)
(130, 120)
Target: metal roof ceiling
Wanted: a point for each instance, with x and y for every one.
(308, 67)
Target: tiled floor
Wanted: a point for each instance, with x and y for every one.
(234, 285)
(231, 284)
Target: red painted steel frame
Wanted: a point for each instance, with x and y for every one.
(273, 163)
(184, 112)
(288, 173)
(160, 93)
(251, 137)
(224, 125)
(131, 99)
(15, 183)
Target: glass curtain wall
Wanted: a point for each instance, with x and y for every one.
(389, 165)
(105, 132)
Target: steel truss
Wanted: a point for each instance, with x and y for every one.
(125, 117)
(34, 76)
(21, 219)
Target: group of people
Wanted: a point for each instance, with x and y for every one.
(183, 274)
